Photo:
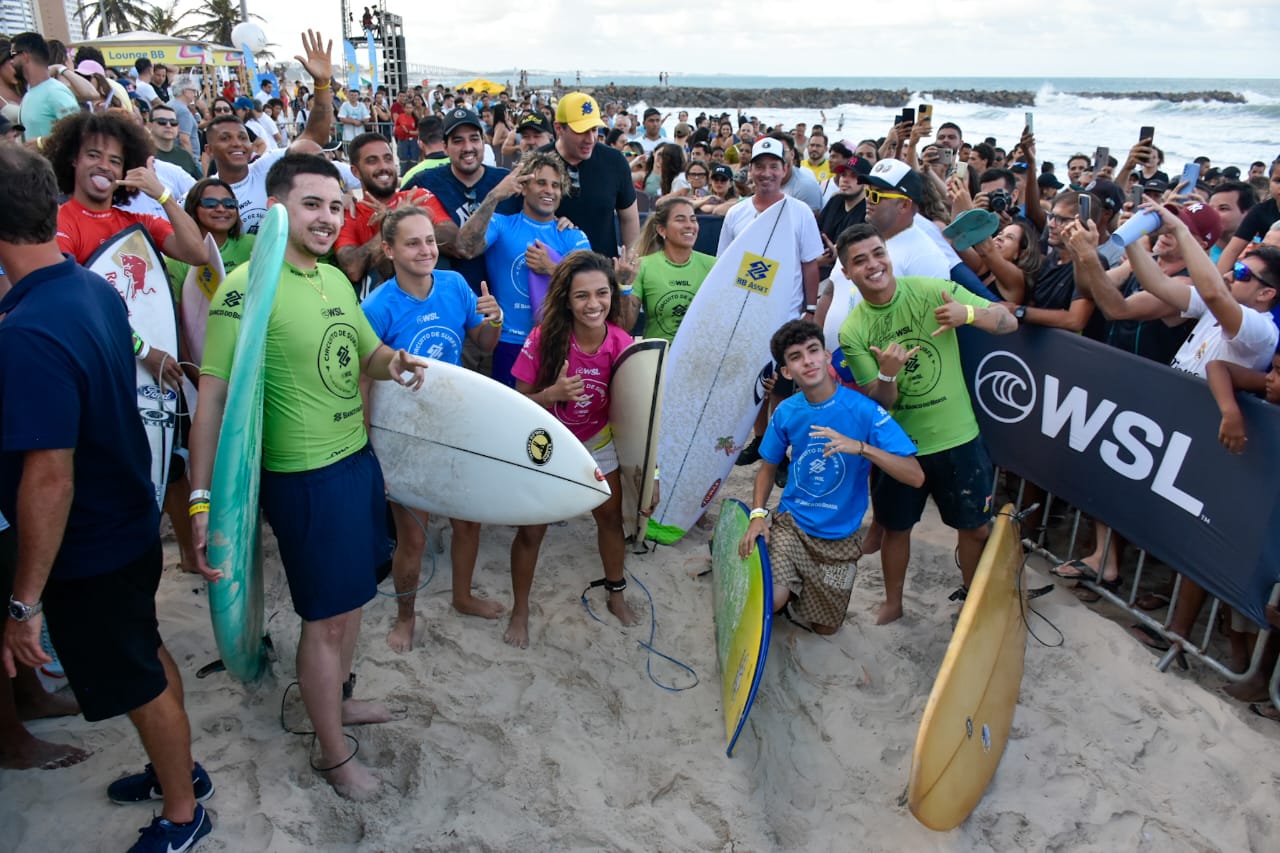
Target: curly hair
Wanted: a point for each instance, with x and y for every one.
(557, 310)
(535, 160)
(69, 135)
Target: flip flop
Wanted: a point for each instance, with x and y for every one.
(970, 228)
(1149, 637)
(1083, 571)
(1265, 710)
(1152, 601)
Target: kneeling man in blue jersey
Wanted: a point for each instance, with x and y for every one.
(835, 435)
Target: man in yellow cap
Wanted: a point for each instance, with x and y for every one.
(599, 177)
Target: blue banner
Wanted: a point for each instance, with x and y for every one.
(1135, 444)
(373, 59)
(349, 57)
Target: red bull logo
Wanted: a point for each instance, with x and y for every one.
(133, 269)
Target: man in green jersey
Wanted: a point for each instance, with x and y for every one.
(322, 488)
(901, 346)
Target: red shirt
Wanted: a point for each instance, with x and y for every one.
(81, 231)
(356, 230)
(406, 125)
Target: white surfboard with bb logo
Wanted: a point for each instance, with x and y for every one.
(467, 447)
(716, 364)
(133, 265)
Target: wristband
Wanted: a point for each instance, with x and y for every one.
(137, 344)
(811, 309)
(968, 317)
(197, 508)
(164, 196)
(497, 324)
(626, 291)
(758, 512)
(144, 351)
(862, 446)
(320, 88)
(883, 378)
(198, 495)
(655, 472)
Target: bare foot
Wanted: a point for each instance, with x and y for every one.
(619, 607)
(356, 712)
(518, 630)
(482, 607)
(1250, 690)
(874, 538)
(40, 704)
(888, 613)
(188, 563)
(825, 630)
(353, 781)
(35, 753)
(401, 637)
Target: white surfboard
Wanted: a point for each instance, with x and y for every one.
(635, 406)
(717, 361)
(467, 447)
(197, 292)
(133, 265)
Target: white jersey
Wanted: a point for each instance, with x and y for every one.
(252, 190)
(1252, 347)
(175, 180)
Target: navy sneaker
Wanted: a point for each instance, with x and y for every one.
(165, 837)
(144, 786)
(750, 454)
(780, 476)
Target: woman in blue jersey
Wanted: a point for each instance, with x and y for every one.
(427, 312)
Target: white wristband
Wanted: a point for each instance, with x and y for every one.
(144, 352)
(883, 378)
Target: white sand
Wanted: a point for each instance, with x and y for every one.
(569, 746)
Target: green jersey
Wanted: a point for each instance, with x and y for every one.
(666, 289)
(933, 405)
(235, 251)
(312, 414)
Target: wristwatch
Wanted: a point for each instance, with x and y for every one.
(1020, 312)
(20, 612)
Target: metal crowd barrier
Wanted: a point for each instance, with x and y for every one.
(1178, 644)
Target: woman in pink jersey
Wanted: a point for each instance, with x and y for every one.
(565, 366)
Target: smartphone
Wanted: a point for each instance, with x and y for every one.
(897, 120)
(962, 171)
(1100, 158)
(1031, 122)
(1086, 208)
(925, 112)
(1147, 134)
(1191, 175)
(1136, 196)
(946, 155)
(909, 115)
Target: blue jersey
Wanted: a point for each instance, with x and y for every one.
(827, 496)
(431, 327)
(508, 237)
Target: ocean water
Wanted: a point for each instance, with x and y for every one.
(1230, 134)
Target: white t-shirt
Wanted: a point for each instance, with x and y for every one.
(175, 179)
(930, 228)
(804, 186)
(844, 296)
(261, 131)
(913, 253)
(647, 144)
(252, 190)
(350, 110)
(1252, 347)
(146, 91)
(262, 97)
(273, 129)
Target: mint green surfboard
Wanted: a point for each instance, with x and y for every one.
(236, 601)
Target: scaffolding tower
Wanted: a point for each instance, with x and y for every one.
(388, 36)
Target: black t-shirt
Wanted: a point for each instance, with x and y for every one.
(1055, 288)
(1152, 339)
(1258, 220)
(834, 219)
(598, 186)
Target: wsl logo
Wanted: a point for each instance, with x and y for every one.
(1005, 388)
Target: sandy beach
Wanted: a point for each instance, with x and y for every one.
(570, 746)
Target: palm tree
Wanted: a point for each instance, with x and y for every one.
(113, 16)
(162, 19)
(218, 19)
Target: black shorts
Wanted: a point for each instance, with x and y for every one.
(107, 637)
(959, 480)
(330, 524)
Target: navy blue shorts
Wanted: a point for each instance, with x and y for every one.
(504, 358)
(332, 530)
(108, 640)
(959, 480)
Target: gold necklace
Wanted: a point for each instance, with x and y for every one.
(311, 279)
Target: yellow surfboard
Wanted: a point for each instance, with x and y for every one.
(966, 723)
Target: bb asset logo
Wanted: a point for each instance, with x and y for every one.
(1005, 388)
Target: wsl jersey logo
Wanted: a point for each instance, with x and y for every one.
(817, 475)
(756, 273)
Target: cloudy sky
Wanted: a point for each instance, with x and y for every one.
(968, 38)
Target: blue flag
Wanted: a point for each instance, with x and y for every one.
(373, 59)
(349, 55)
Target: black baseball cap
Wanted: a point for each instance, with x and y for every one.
(535, 121)
(458, 116)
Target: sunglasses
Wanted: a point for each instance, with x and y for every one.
(876, 196)
(221, 110)
(1242, 272)
(211, 203)
(165, 122)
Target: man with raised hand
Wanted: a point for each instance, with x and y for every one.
(901, 346)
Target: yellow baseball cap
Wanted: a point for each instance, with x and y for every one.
(580, 111)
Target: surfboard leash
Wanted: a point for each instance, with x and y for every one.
(619, 586)
(311, 748)
(1025, 596)
(426, 534)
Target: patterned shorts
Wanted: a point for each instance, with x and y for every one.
(819, 572)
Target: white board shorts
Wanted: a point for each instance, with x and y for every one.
(604, 451)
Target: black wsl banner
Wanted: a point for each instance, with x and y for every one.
(1135, 444)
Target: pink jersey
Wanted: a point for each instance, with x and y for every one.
(585, 419)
